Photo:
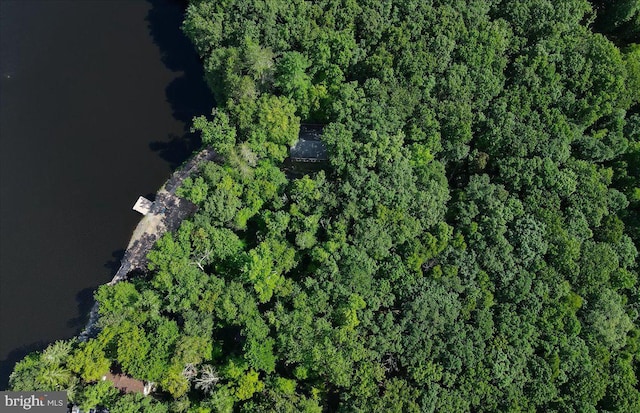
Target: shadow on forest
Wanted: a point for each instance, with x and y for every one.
(188, 93)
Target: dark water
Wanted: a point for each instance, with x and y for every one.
(94, 96)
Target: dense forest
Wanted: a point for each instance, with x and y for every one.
(470, 246)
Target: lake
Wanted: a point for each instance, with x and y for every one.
(95, 99)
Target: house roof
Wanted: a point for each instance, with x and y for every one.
(304, 149)
(125, 383)
(309, 146)
(310, 132)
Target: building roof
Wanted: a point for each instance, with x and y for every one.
(311, 132)
(125, 383)
(304, 149)
(309, 147)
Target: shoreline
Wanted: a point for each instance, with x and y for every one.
(165, 215)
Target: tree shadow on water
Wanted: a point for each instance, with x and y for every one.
(85, 301)
(116, 257)
(177, 149)
(188, 93)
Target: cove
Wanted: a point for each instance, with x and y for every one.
(95, 101)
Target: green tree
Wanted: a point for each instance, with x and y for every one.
(101, 393)
(89, 361)
(218, 133)
(137, 403)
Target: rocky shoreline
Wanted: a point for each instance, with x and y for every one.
(166, 214)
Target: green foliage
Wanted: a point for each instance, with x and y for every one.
(175, 382)
(46, 371)
(266, 265)
(57, 353)
(195, 190)
(133, 349)
(89, 361)
(247, 385)
(221, 401)
(218, 133)
(293, 79)
(117, 303)
(137, 403)
(101, 393)
(269, 125)
(607, 320)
